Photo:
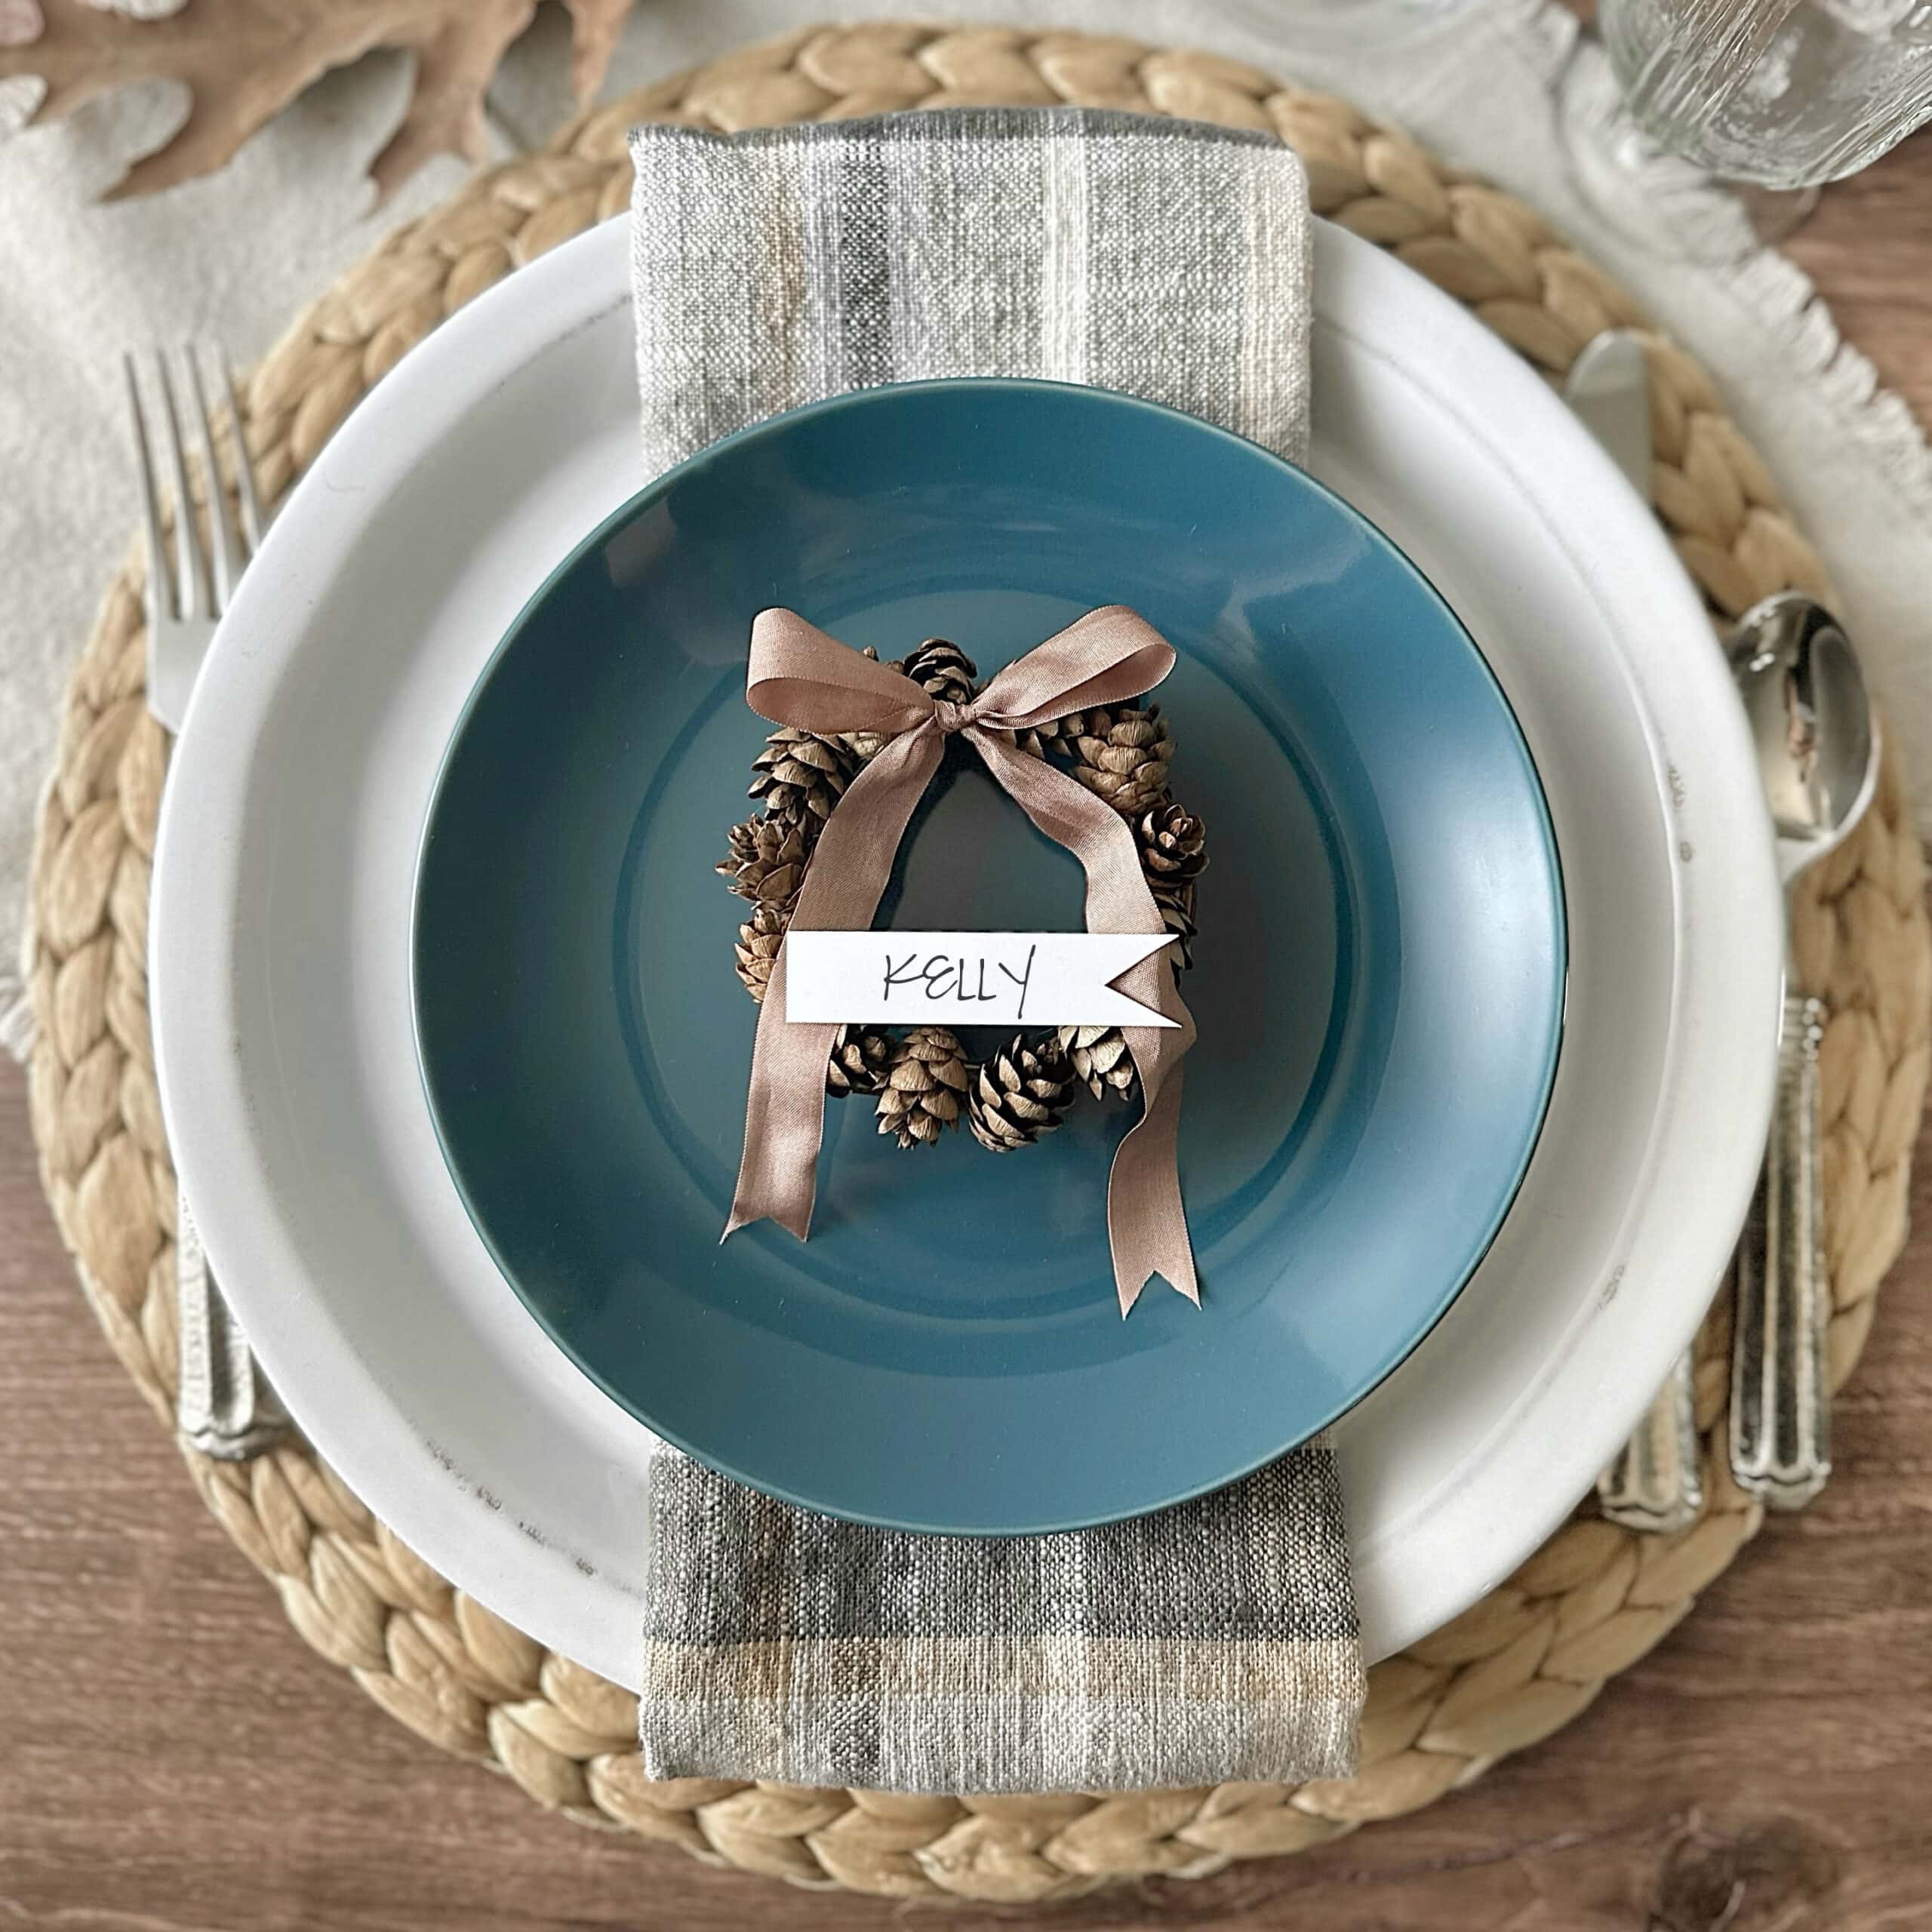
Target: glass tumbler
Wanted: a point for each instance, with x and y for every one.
(1783, 93)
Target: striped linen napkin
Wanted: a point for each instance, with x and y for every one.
(1213, 1640)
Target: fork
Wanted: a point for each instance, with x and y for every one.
(223, 1404)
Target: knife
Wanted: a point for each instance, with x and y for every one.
(1609, 387)
(1656, 1484)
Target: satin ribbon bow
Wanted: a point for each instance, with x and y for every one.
(799, 676)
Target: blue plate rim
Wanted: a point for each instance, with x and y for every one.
(627, 511)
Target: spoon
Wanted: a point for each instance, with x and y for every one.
(1817, 744)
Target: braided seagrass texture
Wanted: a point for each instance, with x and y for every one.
(1515, 1667)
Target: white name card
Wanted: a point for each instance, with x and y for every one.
(968, 979)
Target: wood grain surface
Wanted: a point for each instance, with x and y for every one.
(172, 1755)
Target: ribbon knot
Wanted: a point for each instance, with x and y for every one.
(800, 676)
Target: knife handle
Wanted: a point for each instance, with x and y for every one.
(1780, 1406)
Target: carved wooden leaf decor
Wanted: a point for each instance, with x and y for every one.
(244, 60)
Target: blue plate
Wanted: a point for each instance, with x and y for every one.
(1379, 976)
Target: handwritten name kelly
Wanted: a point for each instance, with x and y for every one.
(999, 979)
(944, 976)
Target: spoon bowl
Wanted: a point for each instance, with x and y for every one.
(1811, 720)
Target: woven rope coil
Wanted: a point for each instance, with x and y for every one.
(1518, 1666)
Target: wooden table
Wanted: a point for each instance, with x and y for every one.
(171, 1755)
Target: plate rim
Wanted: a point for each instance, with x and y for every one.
(1552, 997)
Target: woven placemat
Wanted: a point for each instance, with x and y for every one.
(1522, 1662)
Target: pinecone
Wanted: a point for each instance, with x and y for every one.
(942, 669)
(922, 1092)
(1057, 735)
(759, 939)
(859, 1062)
(767, 861)
(1174, 842)
(1123, 755)
(1020, 1093)
(1099, 1058)
(1175, 898)
(799, 772)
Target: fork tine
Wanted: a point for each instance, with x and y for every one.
(154, 600)
(225, 566)
(192, 600)
(245, 464)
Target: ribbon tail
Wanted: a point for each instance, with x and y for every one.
(1147, 1222)
(784, 1118)
(1146, 1226)
(785, 1106)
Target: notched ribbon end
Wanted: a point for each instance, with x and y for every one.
(1187, 1287)
(799, 1225)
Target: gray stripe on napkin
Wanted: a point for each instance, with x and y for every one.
(1195, 1571)
(1166, 258)
(1214, 1640)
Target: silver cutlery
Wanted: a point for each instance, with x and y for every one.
(1817, 744)
(1656, 1484)
(1817, 752)
(223, 1404)
(1609, 387)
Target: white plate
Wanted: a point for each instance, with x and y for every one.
(283, 898)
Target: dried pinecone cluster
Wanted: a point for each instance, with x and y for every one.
(922, 1082)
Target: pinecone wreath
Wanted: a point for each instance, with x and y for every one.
(922, 1083)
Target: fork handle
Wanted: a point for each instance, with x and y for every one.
(1780, 1405)
(223, 1404)
(175, 655)
(1656, 1484)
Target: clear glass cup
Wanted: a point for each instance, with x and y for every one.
(1782, 93)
